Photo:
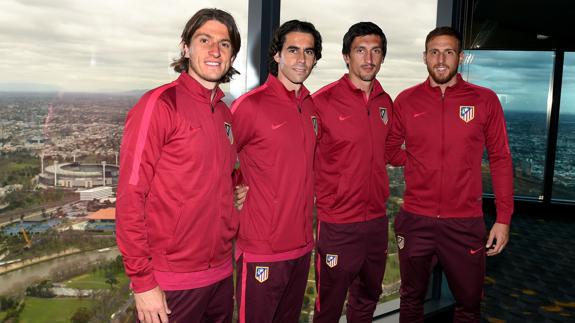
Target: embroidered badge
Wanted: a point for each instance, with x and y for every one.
(466, 113)
(400, 242)
(331, 260)
(229, 132)
(314, 123)
(383, 115)
(262, 273)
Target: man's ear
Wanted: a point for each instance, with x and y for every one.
(185, 49)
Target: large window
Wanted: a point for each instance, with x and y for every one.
(70, 71)
(521, 81)
(403, 67)
(564, 177)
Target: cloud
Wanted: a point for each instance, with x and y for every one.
(403, 66)
(110, 45)
(96, 46)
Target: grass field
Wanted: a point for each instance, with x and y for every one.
(392, 269)
(51, 310)
(95, 281)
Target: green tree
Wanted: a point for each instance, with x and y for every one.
(82, 315)
(111, 279)
(7, 303)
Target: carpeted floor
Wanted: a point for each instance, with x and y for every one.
(533, 280)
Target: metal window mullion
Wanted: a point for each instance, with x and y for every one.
(553, 125)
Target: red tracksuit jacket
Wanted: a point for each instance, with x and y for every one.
(351, 182)
(175, 205)
(276, 136)
(444, 139)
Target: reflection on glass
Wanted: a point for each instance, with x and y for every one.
(564, 177)
(402, 68)
(521, 81)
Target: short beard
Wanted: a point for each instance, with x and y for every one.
(367, 78)
(440, 81)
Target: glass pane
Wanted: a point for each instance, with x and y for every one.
(564, 177)
(402, 68)
(521, 81)
(70, 71)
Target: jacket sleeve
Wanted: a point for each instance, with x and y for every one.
(395, 153)
(500, 162)
(243, 120)
(145, 133)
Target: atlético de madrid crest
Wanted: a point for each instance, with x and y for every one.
(262, 273)
(400, 242)
(314, 123)
(467, 113)
(383, 114)
(229, 132)
(331, 260)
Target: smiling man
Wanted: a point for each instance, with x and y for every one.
(351, 181)
(175, 214)
(446, 123)
(275, 128)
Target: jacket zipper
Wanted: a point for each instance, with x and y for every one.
(370, 158)
(217, 184)
(442, 154)
(302, 129)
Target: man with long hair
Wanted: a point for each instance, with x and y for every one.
(175, 214)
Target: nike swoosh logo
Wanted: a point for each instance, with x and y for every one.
(418, 114)
(343, 118)
(472, 252)
(278, 125)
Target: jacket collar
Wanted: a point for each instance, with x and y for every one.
(198, 91)
(283, 93)
(375, 91)
(458, 85)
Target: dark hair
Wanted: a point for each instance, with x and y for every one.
(280, 37)
(359, 29)
(444, 31)
(198, 20)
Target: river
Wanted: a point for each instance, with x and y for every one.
(21, 278)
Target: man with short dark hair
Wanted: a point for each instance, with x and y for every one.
(351, 182)
(276, 127)
(175, 215)
(446, 123)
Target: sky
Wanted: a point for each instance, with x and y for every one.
(520, 78)
(116, 46)
(111, 45)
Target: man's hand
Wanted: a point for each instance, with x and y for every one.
(151, 306)
(500, 233)
(240, 194)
